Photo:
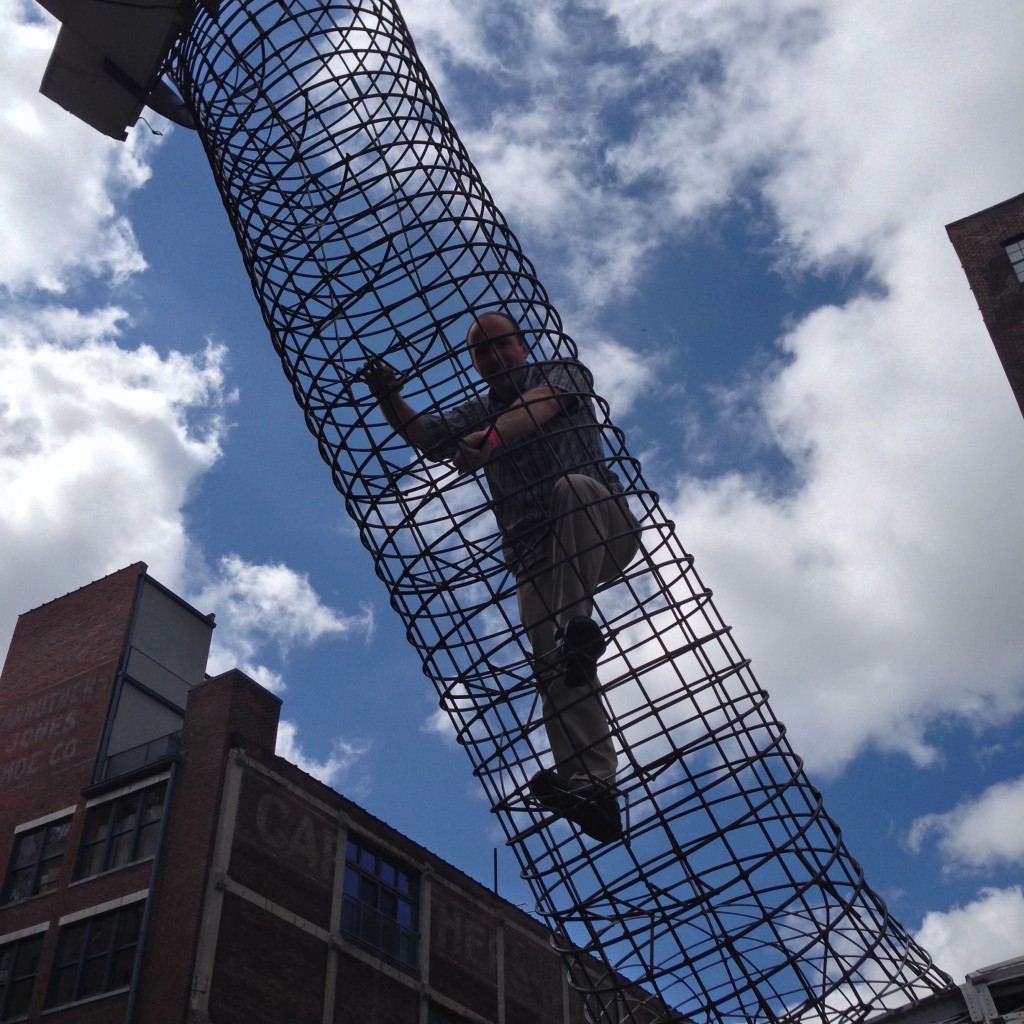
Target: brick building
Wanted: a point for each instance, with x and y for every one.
(990, 245)
(161, 864)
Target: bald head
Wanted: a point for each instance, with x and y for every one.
(499, 351)
(491, 326)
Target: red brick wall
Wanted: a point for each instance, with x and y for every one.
(54, 695)
(978, 241)
(533, 981)
(230, 705)
(285, 849)
(463, 950)
(55, 692)
(63, 638)
(371, 997)
(267, 971)
(106, 1010)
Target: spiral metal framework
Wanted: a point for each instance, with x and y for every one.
(366, 230)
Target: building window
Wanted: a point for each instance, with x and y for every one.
(35, 862)
(1015, 251)
(121, 831)
(379, 905)
(18, 964)
(95, 955)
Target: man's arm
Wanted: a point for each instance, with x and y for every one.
(386, 386)
(523, 417)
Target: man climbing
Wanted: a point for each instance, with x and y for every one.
(565, 529)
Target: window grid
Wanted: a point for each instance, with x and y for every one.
(122, 831)
(379, 907)
(36, 861)
(96, 955)
(19, 962)
(1015, 251)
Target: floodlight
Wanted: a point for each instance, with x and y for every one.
(106, 63)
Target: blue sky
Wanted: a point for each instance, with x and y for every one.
(739, 211)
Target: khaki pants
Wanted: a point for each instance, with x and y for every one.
(592, 540)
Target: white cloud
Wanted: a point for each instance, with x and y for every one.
(100, 447)
(619, 376)
(102, 444)
(878, 595)
(872, 599)
(979, 934)
(538, 150)
(447, 32)
(439, 723)
(336, 770)
(850, 117)
(60, 180)
(269, 605)
(982, 833)
(548, 196)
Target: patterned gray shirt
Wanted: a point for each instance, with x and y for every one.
(522, 473)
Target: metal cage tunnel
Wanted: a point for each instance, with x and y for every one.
(366, 230)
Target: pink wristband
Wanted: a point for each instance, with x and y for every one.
(493, 438)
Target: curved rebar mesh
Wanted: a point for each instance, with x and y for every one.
(367, 231)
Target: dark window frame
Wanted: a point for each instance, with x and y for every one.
(380, 904)
(1014, 249)
(13, 984)
(41, 869)
(92, 954)
(118, 832)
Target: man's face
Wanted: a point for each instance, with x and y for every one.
(496, 348)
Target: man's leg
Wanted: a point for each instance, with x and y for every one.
(575, 718)
(593, 541)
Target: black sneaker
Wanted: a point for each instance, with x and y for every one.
(582, 643)
(590, 804)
